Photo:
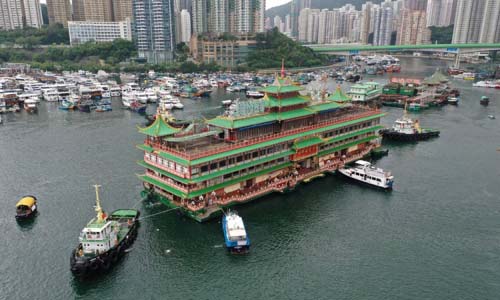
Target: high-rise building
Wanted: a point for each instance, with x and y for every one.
(11, 14)
(415, 4)
(154, 29)
(32, 13)
(59, 11)
(98, 10)
(218, 20)
(199, 15)
(288, 24)
(440, 13)
(366, 20)
(78, 10)
(296, 7)
(490, 26)
(413, 28)
(122, 10)
(383, 25)
(468, 20)
(243, 16)
(185, 26)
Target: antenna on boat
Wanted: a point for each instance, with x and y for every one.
(98, 208)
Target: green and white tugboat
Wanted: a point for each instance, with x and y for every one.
(104, 240)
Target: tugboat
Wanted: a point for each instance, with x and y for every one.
(405, 129)
(26, 207)
(235, 236)
(104, 240)
(364, 171)
(484, 101)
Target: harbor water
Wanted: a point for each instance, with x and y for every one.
(435, 236)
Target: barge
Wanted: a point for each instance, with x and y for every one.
(263, 146)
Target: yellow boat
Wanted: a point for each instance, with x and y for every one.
(26, 207)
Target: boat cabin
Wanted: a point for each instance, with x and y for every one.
(98, 237)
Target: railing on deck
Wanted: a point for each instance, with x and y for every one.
(199, 153)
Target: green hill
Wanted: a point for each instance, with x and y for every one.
(273, 47)
(284, 9)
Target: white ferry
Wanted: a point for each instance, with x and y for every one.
(364, 171)
(235, 235)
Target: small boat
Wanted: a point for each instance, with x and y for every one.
(86, 105)
(67, 105)
(405, 129)
(363, 171)
(254, 94)
(453, 100)
(138, 107)
(26, 207)
(235, 235)
(491, 117)
(104, 240)
(31, 105)
(484, 100)
(103, 108)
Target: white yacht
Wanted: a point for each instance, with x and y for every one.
(115, 91)
(364, 171)
(141, 96)
(128, 98)
(51, 95)
(151, 94)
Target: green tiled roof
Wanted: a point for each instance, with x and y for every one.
(341, 147)
(273, 102)
(167, 188)
(217, 173)
(226, 122)
(237, 180)
(275, 89)
(325, 106)
(355, 133)
(339, 96)
(308, 142)
(283, 139)
(159, 128)
(292, 114)
(145, 147)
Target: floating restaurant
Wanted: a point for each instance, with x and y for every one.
(263, 146)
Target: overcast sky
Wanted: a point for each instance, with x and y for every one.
(271, 3)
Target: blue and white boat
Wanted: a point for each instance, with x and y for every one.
(235, 234)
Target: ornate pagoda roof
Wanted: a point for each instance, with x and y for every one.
(339, 96)
(159, 128)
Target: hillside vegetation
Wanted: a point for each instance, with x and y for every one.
(284, 9)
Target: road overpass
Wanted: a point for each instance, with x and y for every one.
(356, 49)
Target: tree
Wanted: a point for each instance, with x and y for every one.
(441, 35)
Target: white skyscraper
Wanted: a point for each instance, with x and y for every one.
(490, 26)
(20, 13)
(218, 20)
(185, 26)
(383, 25)
(440, 12)
(199, 16)
(468, 21)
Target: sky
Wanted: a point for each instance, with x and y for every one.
(272, 3)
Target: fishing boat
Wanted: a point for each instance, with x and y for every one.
(491, 117)
(406, 129)
(484, 100)
(202, 93)
(378, 153)
(104, 240)
(103, 108)
(138, 107)
(31, 105)
(235, 235)
(67, 105)
(26, 207)
(453, 100)
(363, 171)
(86, 105)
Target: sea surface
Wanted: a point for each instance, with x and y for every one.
(435, 236)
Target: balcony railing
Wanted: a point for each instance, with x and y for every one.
(193, 154)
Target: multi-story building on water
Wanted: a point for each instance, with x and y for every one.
(260, 147)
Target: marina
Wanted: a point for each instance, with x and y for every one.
(365, 240)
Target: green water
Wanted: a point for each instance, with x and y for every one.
(436, 236)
